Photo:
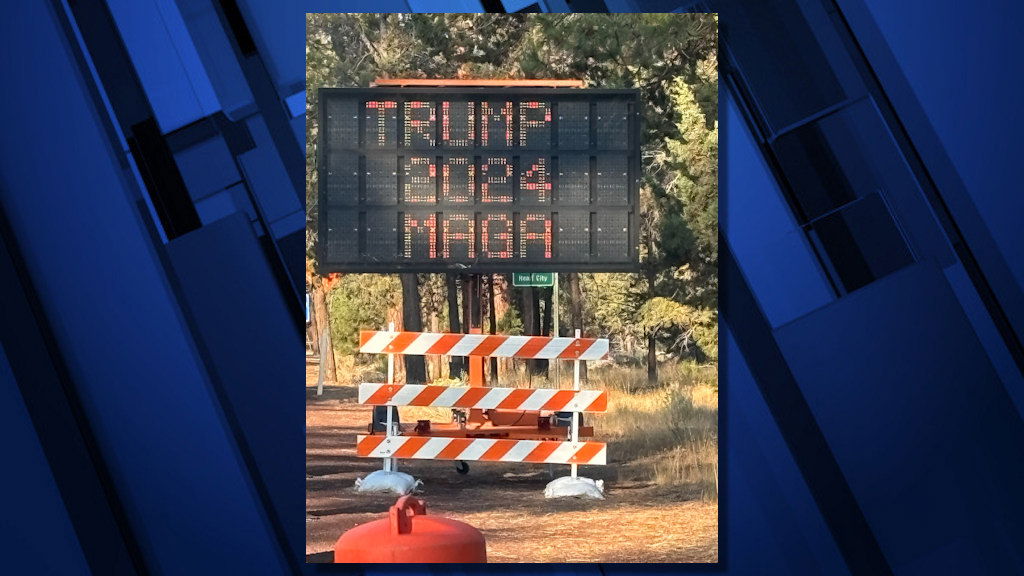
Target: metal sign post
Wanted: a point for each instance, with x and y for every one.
(324, 344)
(390, 464)
(554, 312)
(554, 319)
(575, 415)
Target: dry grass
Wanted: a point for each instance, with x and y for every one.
(669, 532)
(353, 370)
(665, 433)
(669, 431)
(659, 483)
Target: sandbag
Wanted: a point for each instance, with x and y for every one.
(578, 487)
(386, 481)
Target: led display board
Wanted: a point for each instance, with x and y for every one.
(478, 180)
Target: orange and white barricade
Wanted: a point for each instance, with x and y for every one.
(503, 424)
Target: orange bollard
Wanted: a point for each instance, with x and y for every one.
(409, 535)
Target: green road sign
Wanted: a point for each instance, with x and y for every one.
(533, 278)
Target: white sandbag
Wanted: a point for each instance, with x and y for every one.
(386, 481)
(578, 487)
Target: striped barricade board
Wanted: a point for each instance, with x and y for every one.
(481, 449)
(483, 397)
(494, 346)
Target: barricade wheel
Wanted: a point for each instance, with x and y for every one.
(462, 467)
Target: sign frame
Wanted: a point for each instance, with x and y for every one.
(513, 94)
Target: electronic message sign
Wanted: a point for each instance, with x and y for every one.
(478, 179)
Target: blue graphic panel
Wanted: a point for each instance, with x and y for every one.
(46, 540)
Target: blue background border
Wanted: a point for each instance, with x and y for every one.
(151, 179)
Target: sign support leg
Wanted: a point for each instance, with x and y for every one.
(575, 415)
(323, 363)
(554, 323)
(474, 325)
(390, 464)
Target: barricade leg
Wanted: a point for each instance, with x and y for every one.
(476, 378)
(389, 430)
(575, 415)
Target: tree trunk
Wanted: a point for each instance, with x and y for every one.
(501, 296)
(546, 295)
(412, 321)
(652, 359)
(526, 307)
(312, 334)
(394, 318)
(531, 324)
(652, 340)
(434, 361)
(535, 308)
(323, 329)
(526, 311)
(576, 313)
(472, 319)
(454, 362)
(545, 325)
(467, 304)
(502, 303)
(492, 317)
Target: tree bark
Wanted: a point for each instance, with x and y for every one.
(323, 331)
(454, 362)
(501, 297)
(502, 303)
(547, 296)
(394, 318)
(535, 307)
(652, 340)
(434, 361)
(472, 319)
(652, 359)
(526, 307)
(492, 318)
(526, 311)
(576, 313)
(531, 324)
(312, 334)
(412, 321)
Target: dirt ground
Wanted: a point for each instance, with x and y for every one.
(636, 522)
